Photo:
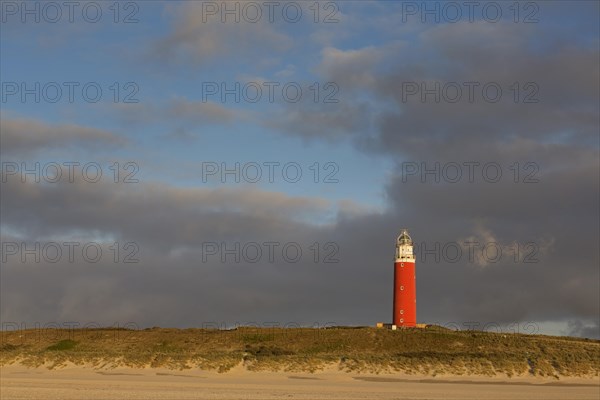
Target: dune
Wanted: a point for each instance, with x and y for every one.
(267, 363)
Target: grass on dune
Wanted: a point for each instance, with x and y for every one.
(430, 351)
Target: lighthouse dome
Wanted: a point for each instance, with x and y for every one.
(404, 237)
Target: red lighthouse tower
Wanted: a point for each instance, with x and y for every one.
(405, 290)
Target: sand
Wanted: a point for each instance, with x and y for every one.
(84, 382)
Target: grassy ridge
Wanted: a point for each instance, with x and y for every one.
(427, 351)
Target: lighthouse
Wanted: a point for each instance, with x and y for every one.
(405, 290)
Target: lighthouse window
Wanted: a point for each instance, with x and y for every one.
(401, 311)
(401, 287)
(402, 264)
(401, 320)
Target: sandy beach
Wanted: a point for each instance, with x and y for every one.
(81, 382)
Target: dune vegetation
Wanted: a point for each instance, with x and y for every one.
(431, 351)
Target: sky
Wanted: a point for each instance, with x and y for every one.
(201, 164)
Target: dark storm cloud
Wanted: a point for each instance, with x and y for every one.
(182, 215)
(577, 328)
(558, 215)
(558, 134)
(563, 82)
(171, 286)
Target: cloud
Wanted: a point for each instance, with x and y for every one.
(181, 112)
(169, 224)
(177, 109)
(579, 328)
(199, 112)
(171, 286)
(561, 83)
(312, 120)
(547, 92)
(356, 68)
(198, 38)
(485, 238)
(21, 136)
(197, 212)
(557, 134)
